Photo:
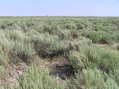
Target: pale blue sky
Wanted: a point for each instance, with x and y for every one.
(59, 7)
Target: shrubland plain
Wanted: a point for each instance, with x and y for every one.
(59, 52)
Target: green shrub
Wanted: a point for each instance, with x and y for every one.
(71, 26)
(93, 79)
(77, 60)
(106, 59)
(99, 37)
(21, 51)
(4, 47)
(38, 78)
(3, 59)
(47, 45)
(15, 35)
(98, 55)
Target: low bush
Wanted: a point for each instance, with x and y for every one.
(93, 79)
(38, 78)
(21, 51)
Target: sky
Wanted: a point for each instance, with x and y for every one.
(59, 7)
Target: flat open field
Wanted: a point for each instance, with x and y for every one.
(59, 52)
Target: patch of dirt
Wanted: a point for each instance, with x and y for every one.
(62, 68)
(12, 74)
(103, 42)
(103, 45)
(115, 46)
(64, 72)
(104, 68)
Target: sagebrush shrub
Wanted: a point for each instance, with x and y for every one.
(22, 51)
(92, 79)
(38, 78)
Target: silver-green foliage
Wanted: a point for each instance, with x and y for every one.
(93, 79)
(38, 78)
